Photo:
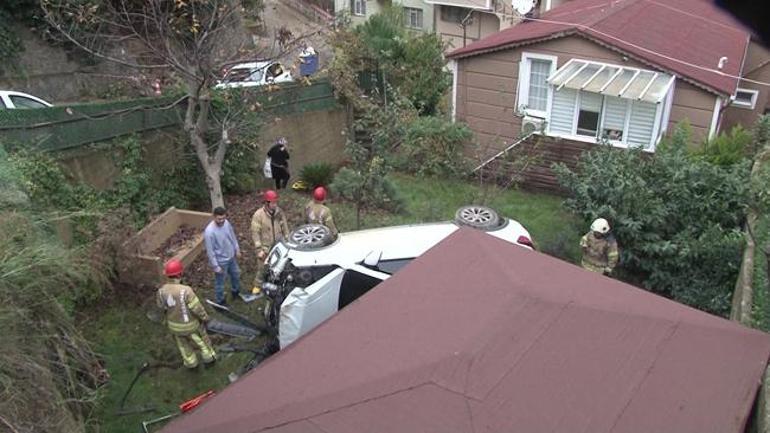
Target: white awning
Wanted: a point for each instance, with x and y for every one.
(613, 80)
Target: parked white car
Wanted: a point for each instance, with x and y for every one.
(18, 100)
(254, 74)
(312, 276)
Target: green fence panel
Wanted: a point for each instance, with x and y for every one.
(65, 127)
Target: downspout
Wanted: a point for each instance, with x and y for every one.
(730, 98)
(453, 64)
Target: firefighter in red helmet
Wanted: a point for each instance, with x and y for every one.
(185, 317)
(268, 226)
(318, 213)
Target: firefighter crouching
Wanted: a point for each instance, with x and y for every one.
(185, 317)
(600, 249)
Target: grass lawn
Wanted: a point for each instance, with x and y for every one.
(123, 335)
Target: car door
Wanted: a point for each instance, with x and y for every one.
(305, 308)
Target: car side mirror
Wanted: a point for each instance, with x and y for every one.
(373, 258)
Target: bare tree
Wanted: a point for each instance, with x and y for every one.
(192, 40)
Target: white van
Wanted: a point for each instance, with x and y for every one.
(312, 276)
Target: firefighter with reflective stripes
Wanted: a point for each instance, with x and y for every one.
(600, 249)
(317, 213)
(185, 317)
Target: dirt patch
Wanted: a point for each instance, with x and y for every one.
(183, 238)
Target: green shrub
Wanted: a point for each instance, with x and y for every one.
(434, 146)
(727, 149)
(677, 218)
(319, 174)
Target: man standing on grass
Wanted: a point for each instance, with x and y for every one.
(223, 251)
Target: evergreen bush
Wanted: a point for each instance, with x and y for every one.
(677, 218)
(318, 174)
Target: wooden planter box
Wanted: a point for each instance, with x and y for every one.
(141, 266)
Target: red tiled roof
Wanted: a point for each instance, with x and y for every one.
(482, 335)
(682, 37)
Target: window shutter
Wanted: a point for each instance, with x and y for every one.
(615, 113)
(563, 111)
(642, 123)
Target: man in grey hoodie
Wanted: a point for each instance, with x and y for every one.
(223, 251)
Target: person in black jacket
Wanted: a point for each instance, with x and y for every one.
(279, 162)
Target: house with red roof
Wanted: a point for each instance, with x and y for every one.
(624, 71)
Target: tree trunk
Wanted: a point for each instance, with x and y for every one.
(196, 124)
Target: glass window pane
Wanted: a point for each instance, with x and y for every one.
(22, 102)
(588, 116)
(619, 82)
(538, 85)
(597, 83)
(565, 72)
(583, 76)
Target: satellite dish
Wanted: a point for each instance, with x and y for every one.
(523, 7)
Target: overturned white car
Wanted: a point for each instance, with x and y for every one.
(312, 276)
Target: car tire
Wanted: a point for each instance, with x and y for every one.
(311, 236)
(479, 217)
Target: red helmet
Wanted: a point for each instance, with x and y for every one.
(319, 194)
(270, 195)
(173, 268)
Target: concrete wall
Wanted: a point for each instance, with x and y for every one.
(316, 136)
(47, 72)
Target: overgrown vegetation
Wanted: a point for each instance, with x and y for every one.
(144, 191)
(410, 64)
(433, 146)
(365, 179)
(677, 217)
(48, 372)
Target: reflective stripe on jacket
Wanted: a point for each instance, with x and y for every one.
(184, 311)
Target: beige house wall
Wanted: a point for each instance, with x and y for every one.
(757, 68)
(376, 6)
(482, 25)
(487, 83)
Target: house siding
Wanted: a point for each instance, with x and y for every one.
(486, 98)
(376, 6)
(482, 25)
(755, 68)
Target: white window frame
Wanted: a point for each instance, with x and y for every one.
(658, 128)
(415, 13)
(358, 8)
(743, 104)
(522, 93)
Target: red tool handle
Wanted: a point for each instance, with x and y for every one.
(195, 401)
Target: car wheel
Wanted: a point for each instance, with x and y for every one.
(480, 217)
(310, 236)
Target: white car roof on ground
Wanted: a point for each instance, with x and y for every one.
(399, 242)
